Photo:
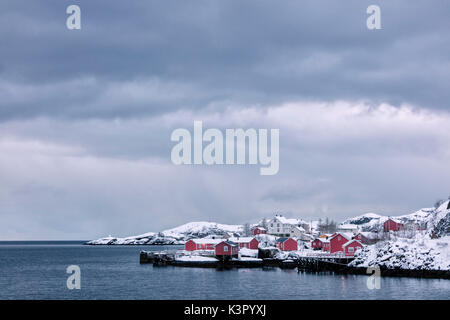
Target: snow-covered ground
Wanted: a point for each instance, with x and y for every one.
(420, 253)
(246, 259)
(193, 258)
(245, 252)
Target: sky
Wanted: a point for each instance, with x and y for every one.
(86, 115)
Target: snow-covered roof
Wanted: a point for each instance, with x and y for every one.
(260, 228)
(349, 242)
(348, 226)
(207, 241)
(300, 229)
(366, 234)
(283, 239)
(346, 235)
(285, 220)
(241, 239)
(325, 235)
(306, 236)
(395, 220)
(231, 243)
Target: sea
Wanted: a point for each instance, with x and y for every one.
(39, 270)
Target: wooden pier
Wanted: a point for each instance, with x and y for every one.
(165, 258)
(325, 263)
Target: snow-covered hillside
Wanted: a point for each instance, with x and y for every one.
(201, 229)
(420, 253)
(178, 235)
(427, 249)
(435, 220)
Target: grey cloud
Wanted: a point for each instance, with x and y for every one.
(86, 116)
(244, 52)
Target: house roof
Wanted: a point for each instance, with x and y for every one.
(346, 235)
(347, 243)
(285, 220)
(395, 220)
(283, 239)
(207, 241)
(325, 235)
(241, 239)
(306, 236)
(260, 228)
(365, 234)
(231, 243)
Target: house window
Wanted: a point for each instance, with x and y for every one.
(339, 238)
(225, 249)
(351, 249)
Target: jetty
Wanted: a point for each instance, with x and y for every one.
(173, 258)
(336, 264)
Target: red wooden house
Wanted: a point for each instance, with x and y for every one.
(351, 247)
(226, 249)
(361, 238)
(245, 242)
(393, 225)
(201, 244)
(259, 230)
(287, 244)
(337, 241)
(321, 244)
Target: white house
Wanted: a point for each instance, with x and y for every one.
(284, 227)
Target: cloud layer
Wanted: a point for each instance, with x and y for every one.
(86, 116)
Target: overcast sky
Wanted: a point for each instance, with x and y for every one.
(86, 115)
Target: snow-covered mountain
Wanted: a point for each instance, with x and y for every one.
(178, 235)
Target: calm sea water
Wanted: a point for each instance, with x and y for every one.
(37, 270)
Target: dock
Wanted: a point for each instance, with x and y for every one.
(166, 258)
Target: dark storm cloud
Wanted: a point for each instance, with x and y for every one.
(233, 51)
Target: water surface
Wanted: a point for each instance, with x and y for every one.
(37, 270)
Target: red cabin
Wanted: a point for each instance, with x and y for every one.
(287, 244)
(361, 238)
(259, 230)
(338, 241)
(245, 242)
(226, 249)
(351, 247)
(321, 244)
(393, 225)
(201, 244)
